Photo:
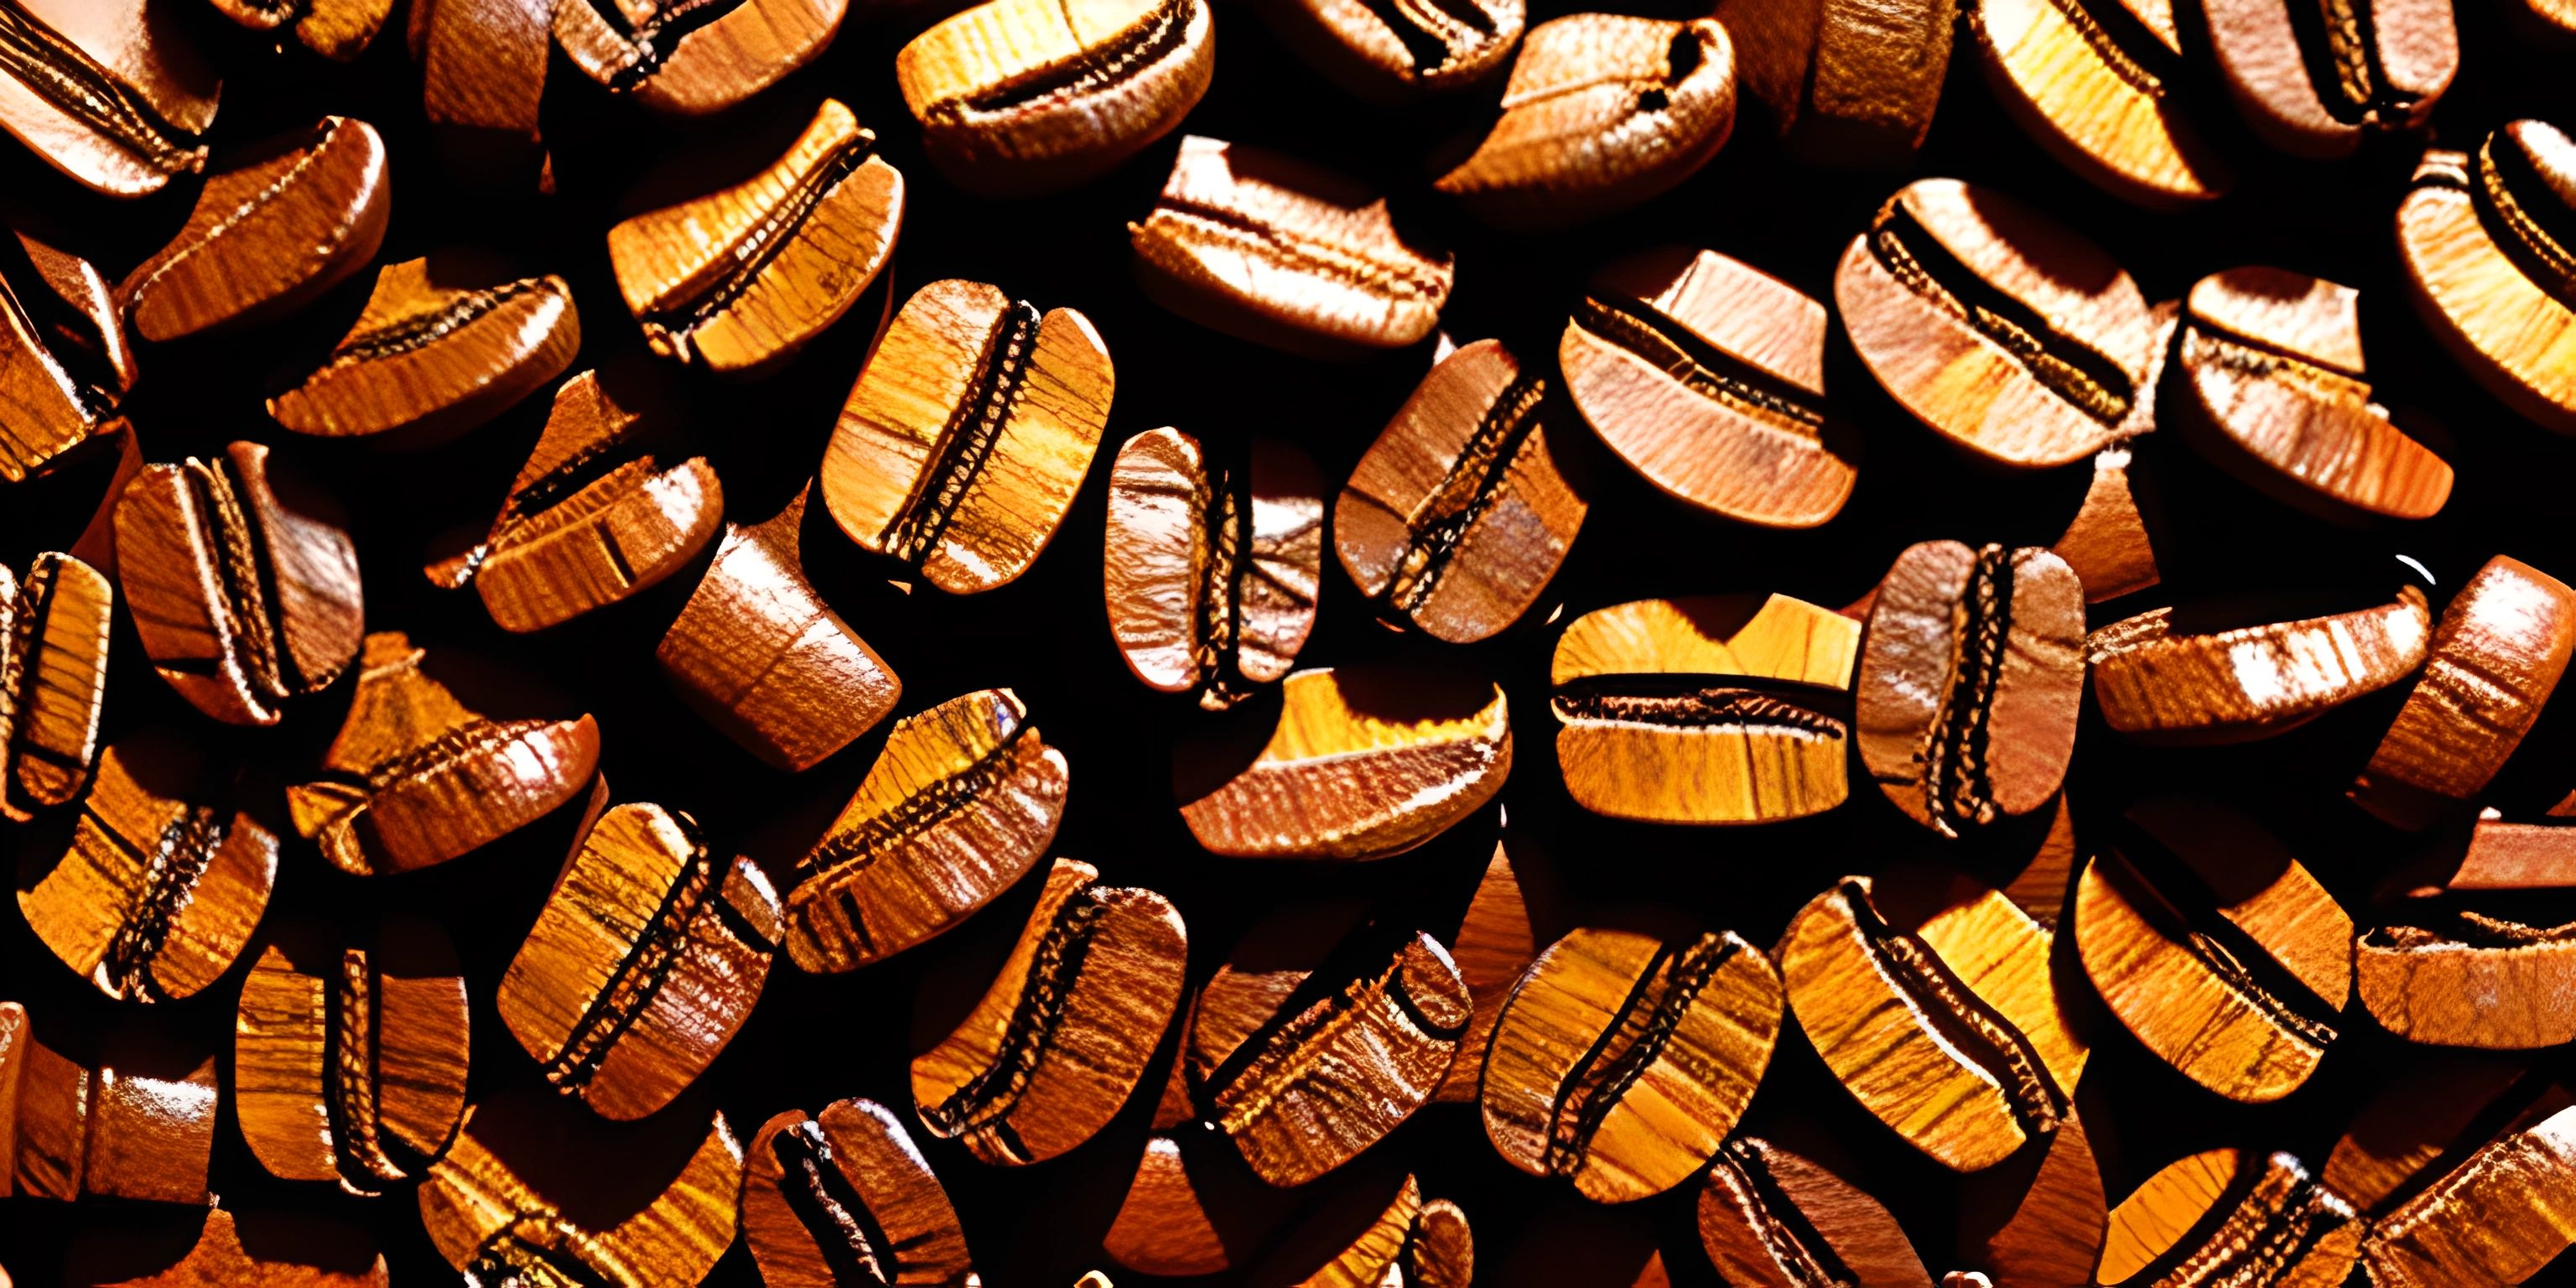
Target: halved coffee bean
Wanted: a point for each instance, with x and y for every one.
(1705, 710)
(483, 64)
(1283, 253)
(2005, 331)
(163, 880)
(741, 279)
(1971, 679)
(2231, 1216)
(2497, 654)
(1460, 513)
(845, 1197)
(349, 1062)
(1394, 52)
(2280, 398)
(2215, 948)
(294, 218)
(339, 30)
(2108, 543)
(64, 364)
(961, 803)
(1771, 1219)
(106, 91)
(435, 356)
(1708, 377)
(137, 1124)
(646, 958)
(417, 777)
(760, 655)
(2312, 84)
(2159, 684)
(519, 1198)
(2442, 1106)
(1025, 96)
(2095, 83)
(2501, 1217)
(1621, 1062)
(1947, 1029)
(1211, 568)
(602, 511)
(1056, 1045)
(278, 1249)
(1363, 763)
(1847, 84)
(2467, 978)
(968, 433)
(1602, 112)
(1497, 940)
(692, 57)
(53, 681)
(2491, 265)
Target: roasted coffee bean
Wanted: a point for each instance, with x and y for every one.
(2492, 269)
(1708, 377)
(1190, 1209)
(1708, 710)
(2108, 544)
(339, 30)
(964, 799)
(1771, 1219)
(2312, 84)
(646, 958)
(1602, 111)
(1401, 50)
(2469, 978)
(1347, 1245)
(1441, 1251)
(966, 436)
(1847, 84)
(1363, 763)
(2158, 683)
(138, 1125)
(417, 777)
(1211, 569)
(1971, 678)
(845, 1197)
(693, 57)
(162, 880)
(519, 1198)
(2095, 83)
(1056, 1045)
(2496, 656)
(1461, 512)
(1497, 940)
(1283, 253)
(291, 219)
(275, 1249)
(437, 351)
(758, 653)
(105, 92)
(600, 512)
(741, 279)
(2003, 330)
(1621, 1062)
(2501, 1217)
(53, 681)
(2228, 1216)
(1026, 96)
(1946, 1028)
(2441, 1106)
(483, 64)
(349, 1062)
(64, 364)
(2280, 399)
(2511, 856)
(2215, 948)
(2052, 1225)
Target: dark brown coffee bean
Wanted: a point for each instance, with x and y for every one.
(845, 1197)
(1771, 1219)
(432, 356)
(483, 65)
(64, 364)
(104, 93)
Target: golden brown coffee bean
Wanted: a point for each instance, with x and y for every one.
(740, 279)
(53, 681)
(162, 880)
(1946, 1027)
(64, 363)
(1400, 49)
(212, 1247)
(1708, 377)
(138, 1124)
(1211, 567)
(2440, 1107)
(295, 217)
(693, 57)
(518, 1200)
(1056, 1045)
(349, 1062)
(2501, 1217)
(2280, 399)
(1284, 253)
(1771, 1219)
(1497, 939)
(1847, 84)
(1708, 710)
(105, 91)
(961, 803)
(2108, 543)
(966, 436)
(647, 957)
(2230, 1216)
(2467, 978)
(483, 64)
(2005, 331)
(2491, 275)
(1602, 112)
(2095, 83)
(2502, 644)
(2051, 1225)
(1621, 1062)
(417, 776)
(437, 351)
(2312, 88)
(1363, 763)
(1441, 1251)
(845, 1197)
(1970, 682)
(2158, 680)
(1026, 96)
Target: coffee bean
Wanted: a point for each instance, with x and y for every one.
(2496, 1218)
(64, 364)
(2469, 978)
(691, 59)
(1496, 941)
(2440, 1106)
(482, 65)
(2229, 1212)
(2491, 265)
(53, 681)
(1192, 1207)
(2108, 544)
(2052, 1225)
(1211, 568)
(2096, 83)
(339, 30)
(103, 93)
(845, 1197)
(2157, 681)
(2508, 856)
(1396, 52)
(277, 1249)
(1441, 1251)
(431, 357)
(1359, 1240)
(139, 1123)
(1846, 84)
(2313, 88)
(1771, 1219)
